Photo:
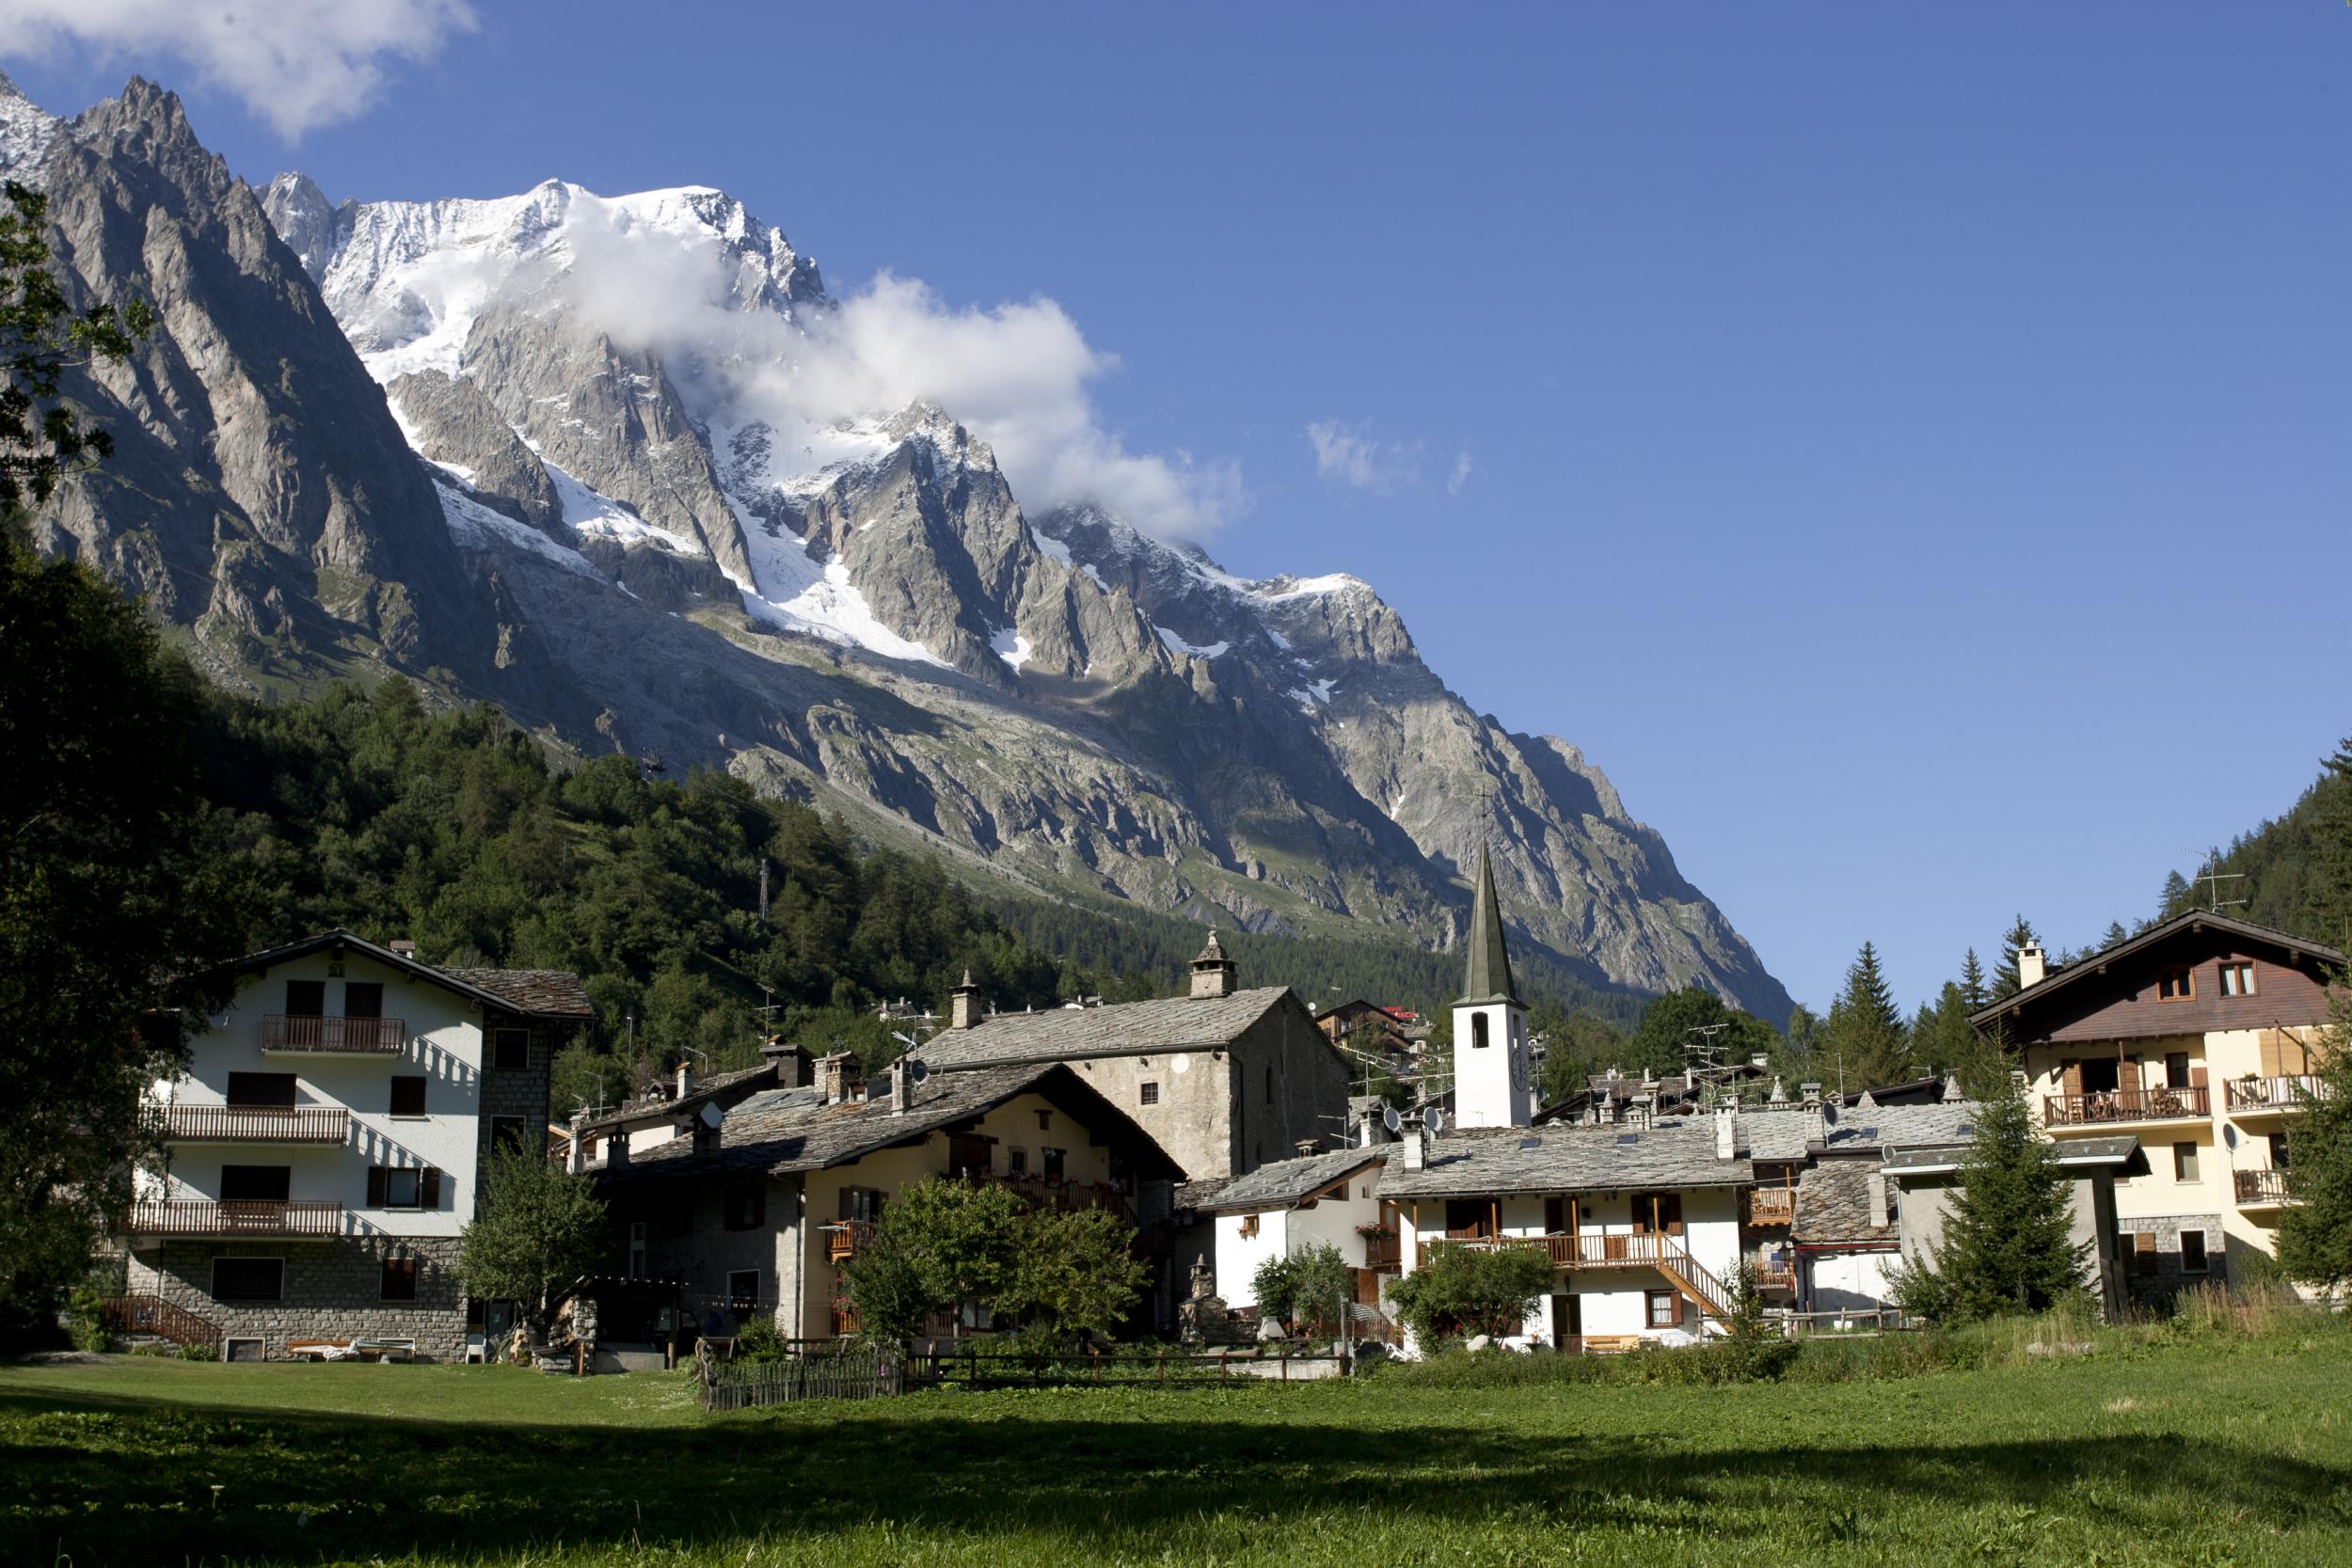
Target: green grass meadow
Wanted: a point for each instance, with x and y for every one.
(2230, 1451)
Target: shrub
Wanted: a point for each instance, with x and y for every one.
(1463, 1289)
(199, 1353)
(1314, 1283)
(83, 1321)
(758, 1341)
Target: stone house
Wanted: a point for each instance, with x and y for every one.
(326, 1143)
(2197, 1036)
(757, 1208)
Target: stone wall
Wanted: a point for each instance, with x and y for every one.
(333, 1290)
(2170, 1275)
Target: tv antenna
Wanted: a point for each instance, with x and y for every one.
(2213, 877)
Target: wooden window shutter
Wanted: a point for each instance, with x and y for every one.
(2070, 1079)
(2144, 1252)
(429, 1189)
(375, 1187)
(2127, 1075)
(2197, 1079)
(760, 1205)
(2269, 1049)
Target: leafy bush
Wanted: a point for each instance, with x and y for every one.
(83, 1323)
(1464, 1291)
(758, 1341)
(199, 1353)
(1314, 1284)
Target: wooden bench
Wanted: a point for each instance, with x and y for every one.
(1611, 1344)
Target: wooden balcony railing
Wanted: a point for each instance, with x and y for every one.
(1591, 1250)
(2276, 1094)
(1052, 1193)
(268, 1124)
(844, 1240)
(341, 1037)
(1775, 1279)
(154, 1315)
(1772, 1206)
(1382, 1248)
(236, 1217)
(2261, 1186)
(2112, 1106)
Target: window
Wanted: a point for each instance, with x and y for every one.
(255, 1183)
(2193, 1252)
(2143, 1253)
(1046, 1121)
(637, 1250)
(1478, 1031)
(1017, 1160)
(408, 1096)
(746, 1206)
(306, 998)
(2177, 983)
(862, 1203)
(399, 1280)
(274, 1089)
(363, 999)
(1269, 1081)
(243, 1350)
(1664, 1312)
(1249, 1225)
(743, 1290)
(1051, 1159)
(404, 1187)
(2184, 1162)
(2237, 979)
(2176, 1070)
(510, 1049)
(248, 1279)
(677, 1219)
(508, 1133)
(1149, 1095)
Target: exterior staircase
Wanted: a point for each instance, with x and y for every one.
(1591, 1250)
(147, 1317)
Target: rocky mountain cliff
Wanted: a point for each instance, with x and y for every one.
(463, 441)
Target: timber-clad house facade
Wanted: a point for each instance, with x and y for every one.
(2197, 1037)
(325, 1146)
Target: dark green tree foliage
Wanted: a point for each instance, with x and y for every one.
(2316, 1231)
(42, 338)
(1577, 1044)
(1865, 1040)
(2020, 936)
(1308, 1291)
(1941, 1038)
(1461, 1291)
(2293, 872)
(1672, 1021)
(2008, 1244)
(536, 1229)
(1973, 988)
(2176, 898)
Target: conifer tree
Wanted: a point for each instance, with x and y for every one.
(2327, 882)
(1866, 1031)
(2316, 1233)
(2175, 897)
(2020, 936)
(2007, 1239)
(1971, 987)
(2115, 935)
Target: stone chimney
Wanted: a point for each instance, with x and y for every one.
(2033, 965)
(616, 1149)
(1878, 1198)
(901, 1086)
(1727, 1129)
(1414, 1149)
(576, 1155)
(705, 1127)
(402, 946)
(795, 1067)
(1212, 972)
(1951, 1090)
(840, 1076)
(685, 1079)
(963, 1004)
(1816, 1118)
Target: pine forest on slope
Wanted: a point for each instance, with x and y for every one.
(645, 539)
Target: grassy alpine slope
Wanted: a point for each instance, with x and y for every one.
(2218, 1451)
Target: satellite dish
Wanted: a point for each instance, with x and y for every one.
(916, 1072)
(1390, 1119)
(1435, 1120)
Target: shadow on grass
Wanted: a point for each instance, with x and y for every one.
(116, 1480)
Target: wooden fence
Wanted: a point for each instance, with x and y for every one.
(854, 1372)
(1140, 1367)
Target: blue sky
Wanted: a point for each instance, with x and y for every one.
(1901, 445)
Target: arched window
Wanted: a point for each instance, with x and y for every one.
(1478, 1031)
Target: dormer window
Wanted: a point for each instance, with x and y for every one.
(2177, 983)
(2237, 979)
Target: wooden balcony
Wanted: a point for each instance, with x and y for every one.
(2110, 1107)
(844, 1240)
(255, 1124)
(300, 1035)
(2250, 1097)
(2262, 1189)
(1772, 1206)
(1382, 1248)
(1775, 1279)
(1593, 1250)
(237, 1218)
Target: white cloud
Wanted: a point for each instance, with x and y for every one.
(299, 64)
(1345, 455)
(1463, 469)
(1017, 376)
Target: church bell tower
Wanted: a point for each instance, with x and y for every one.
(1492, 1086)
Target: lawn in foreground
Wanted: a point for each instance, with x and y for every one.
(2239, 1452)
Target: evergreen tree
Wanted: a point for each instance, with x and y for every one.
(2115, 935)
(2007, 1235)
(1672, 1021)
(2020, 936)
(1866, 1038)
(2326, 902)
(2316, 1231)
(1971, 987)
(2175, 898)
(1943, 1038)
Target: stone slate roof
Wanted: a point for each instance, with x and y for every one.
(1776, 1133)
(1119, 1029)
(2112, 1150)
(1834, 1205)
(1279, 1184)
(718, 1086)
(784, 1131)
(541, 992)
(1671, 1153)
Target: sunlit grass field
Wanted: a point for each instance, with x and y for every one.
(2227, 1450)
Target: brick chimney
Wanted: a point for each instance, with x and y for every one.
(963, 1004)
(2033, 965)
(1212, 972)
(840, 1076)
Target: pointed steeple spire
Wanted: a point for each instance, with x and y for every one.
(1490, 972)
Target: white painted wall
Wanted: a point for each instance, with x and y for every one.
(444, 1044)
(1850, 1280)
(1491, 1084)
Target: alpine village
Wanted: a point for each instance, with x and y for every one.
(623, 940)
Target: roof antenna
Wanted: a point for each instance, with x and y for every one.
(2213, 877)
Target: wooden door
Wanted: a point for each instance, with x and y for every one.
(363, 999)
(1567, 1321)
(1556, 1216)
(1658, 1214)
